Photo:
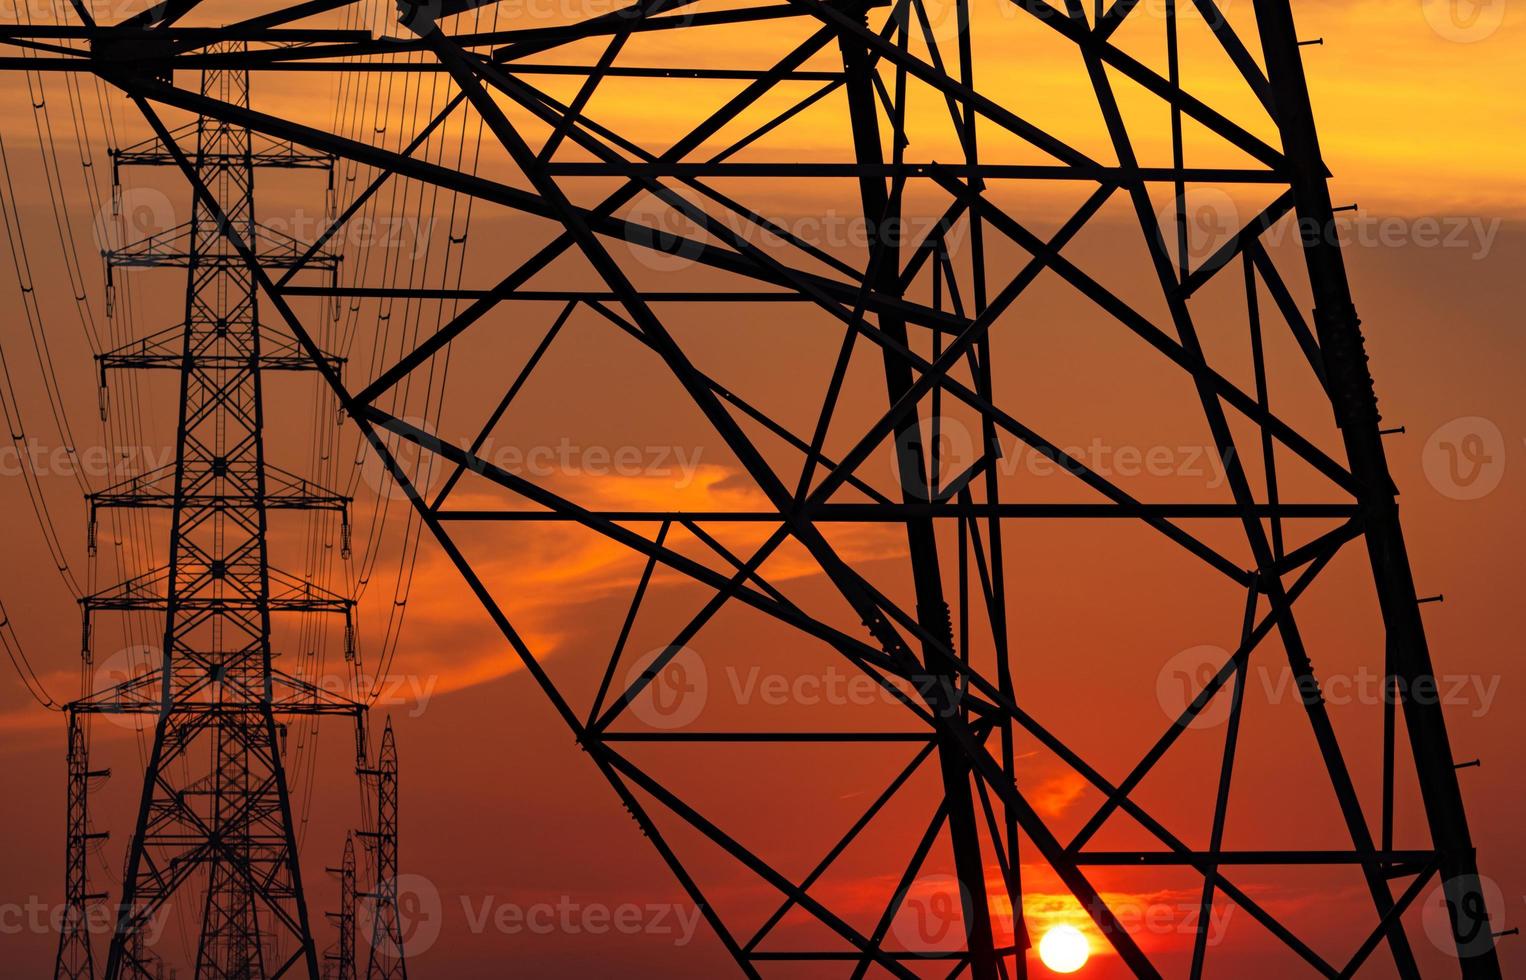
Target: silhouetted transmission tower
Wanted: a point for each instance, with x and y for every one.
(385, 959)
(214, 834)
(339, 961)
(867, 254)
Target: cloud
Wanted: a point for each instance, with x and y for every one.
(1053, 796)
(546, 575)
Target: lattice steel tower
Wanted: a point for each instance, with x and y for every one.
(214, 833)
(339, 960)
(842, 530)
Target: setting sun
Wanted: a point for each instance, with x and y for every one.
(1064, 949)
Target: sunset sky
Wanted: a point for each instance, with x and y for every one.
(518, 853)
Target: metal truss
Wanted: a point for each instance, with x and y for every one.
(387, 959)
(942, 641)
(339, 961)
(214, 834)
(76, 958)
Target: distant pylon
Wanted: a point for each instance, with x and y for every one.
(75, 959)
(387, 961)
(339, 961)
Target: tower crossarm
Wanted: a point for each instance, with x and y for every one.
(172, 248)
(165, 350)
(264, 151)
(156, 488)
(146, 593)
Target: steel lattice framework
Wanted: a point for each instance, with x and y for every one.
(76, 958)
(339, 962)
(929, 311)
(214, 834)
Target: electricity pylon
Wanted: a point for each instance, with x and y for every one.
(339, 962)
(387, 959)
(214, 834)
(76, 959)
(910, 106)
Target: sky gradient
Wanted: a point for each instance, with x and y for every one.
(528, 854)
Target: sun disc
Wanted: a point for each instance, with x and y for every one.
(1064, 949)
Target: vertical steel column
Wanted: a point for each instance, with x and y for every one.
(882, 220)
(1355, 405)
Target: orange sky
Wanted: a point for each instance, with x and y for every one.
(503, 810)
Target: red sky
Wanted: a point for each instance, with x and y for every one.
(504, 816)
